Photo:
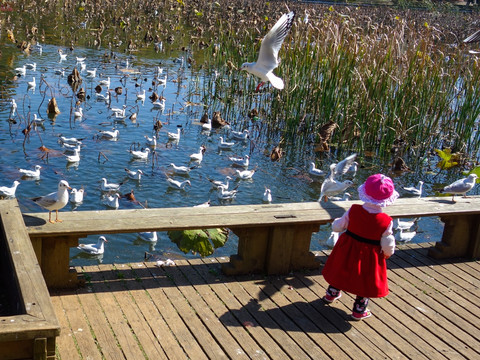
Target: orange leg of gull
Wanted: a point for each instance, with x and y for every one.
(259, 86)
(56, 218)
(50, 218)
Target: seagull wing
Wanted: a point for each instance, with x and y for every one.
(47, 200)
(271, 43)
(343, 166)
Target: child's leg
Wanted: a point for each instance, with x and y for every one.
(360, 310)
(332, 294)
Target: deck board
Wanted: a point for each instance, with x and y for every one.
(193, 311)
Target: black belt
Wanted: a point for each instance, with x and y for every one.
(362, 239)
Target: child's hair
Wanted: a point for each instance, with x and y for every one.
(378, 189)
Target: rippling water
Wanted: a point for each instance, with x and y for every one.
(287, 178)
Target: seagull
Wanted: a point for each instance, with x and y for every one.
(76, 196)
(223, 145)
(80, 59)
(218, 184)
(224, 194)
(268, 55)
(174, 136)
(331, 187)
(21, 70)
(240, 135)
(60, 72)
(242, 162)
(404, 236)
(31, 84)
(135, 175)
(159, 104)
(36, 120)
(415, 191)
(168, 262)
(332, 239)
(31, 173)
(105, 82)
(105, 186)
(162, 81)
(245, 174)
(9, 192)
(314, 171)
(62, 55)
(178, 184)
(148, 236)
(142, 155)
(70, 141)
(94, 249)
(111, 135)
(151, 141)
(141, 97)
(461, 186)
(75, 157)
(101, 97)
(203, 205)
(198, 157)
(78, 114)
(267, 196)
(32, 66)
(346, 196)
(13, 109)
(92, 73)
(55, 200)
(118, 111)
(344, 166)
(180, 169)
(111, 200)
(404, 225)
(208, 125)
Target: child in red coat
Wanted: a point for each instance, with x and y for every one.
(357, 262)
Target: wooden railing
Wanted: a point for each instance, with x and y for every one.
(274, 239)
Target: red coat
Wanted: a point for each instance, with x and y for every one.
(355, 266)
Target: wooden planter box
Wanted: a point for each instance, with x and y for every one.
(29, 329)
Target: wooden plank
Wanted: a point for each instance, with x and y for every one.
(228, 343)
(97, 320)
(150, 276)
(152, 315)
(79, 327)
(189, 316)
(104, 291)
(65, 343)
(220, 284)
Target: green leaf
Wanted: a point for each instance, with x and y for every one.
(202, 242)
(475, 170)
(449, 160)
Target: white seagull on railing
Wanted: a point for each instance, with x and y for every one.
(268, 56)
(461, 187)
(9, 192)
(55, 200)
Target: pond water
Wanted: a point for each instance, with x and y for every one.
(288, 178)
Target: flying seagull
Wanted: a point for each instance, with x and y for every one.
(268, 55)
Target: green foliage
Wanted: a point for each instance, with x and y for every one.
(449, 160)
(202, 242)
(475, 170)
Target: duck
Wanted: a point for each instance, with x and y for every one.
(414, 190)
(244, 174)
(148, 236)
(198, 157)
(240, 135)
(55, 200)
(9, 192)
(76, 196)
(223, 145)
(242, 162)
(110, 135)
(314, 171)
(217, 183)
(31, 173)
(94, 249)
(461, 187)
(106, 186)
(174, 136)
(134, 175)
(180, 169)
(111, 200)
(174, 184)
(139, 154)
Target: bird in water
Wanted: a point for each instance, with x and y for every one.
(417, 191)
(268, 56)
(55, 200)
(34, 174)
(94, 249)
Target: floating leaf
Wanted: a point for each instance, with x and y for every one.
(449, 160)
(202, 242)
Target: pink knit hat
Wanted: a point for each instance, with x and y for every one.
(378, 190)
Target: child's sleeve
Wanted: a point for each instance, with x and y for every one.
(388, 241)
(341, 223)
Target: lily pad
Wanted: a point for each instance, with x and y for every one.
(203, 242)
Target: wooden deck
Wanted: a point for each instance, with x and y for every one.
(193, 311)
